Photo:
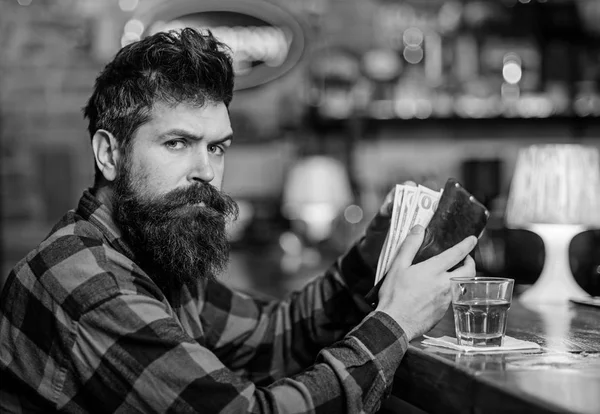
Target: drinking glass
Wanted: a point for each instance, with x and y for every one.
(480, 306)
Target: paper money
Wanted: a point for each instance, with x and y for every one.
(405, 209)
(380, 262)
(412, 206)
(421, 210)
(402, 199)
(383, 256)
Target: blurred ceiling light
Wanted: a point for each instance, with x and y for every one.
(405, 108)
(128, 5)
(512, 72)
(413, 37)
(524, 1)
(382, 64)
(424, 109)
(413, 55)
(134, 26)
(24, 2)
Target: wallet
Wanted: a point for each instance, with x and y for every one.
(458, 216)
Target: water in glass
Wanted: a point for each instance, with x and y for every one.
(480, 322)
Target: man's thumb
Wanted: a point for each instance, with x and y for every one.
(411, 246)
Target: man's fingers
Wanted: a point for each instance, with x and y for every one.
(410, 246)
(466, 270)
(455, 254)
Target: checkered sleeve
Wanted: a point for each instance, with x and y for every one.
(130, 355)
(268, 340)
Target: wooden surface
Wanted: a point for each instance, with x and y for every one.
(564, 377)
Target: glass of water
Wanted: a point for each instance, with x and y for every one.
(480, 306)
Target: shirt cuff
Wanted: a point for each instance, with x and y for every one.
(385, 340)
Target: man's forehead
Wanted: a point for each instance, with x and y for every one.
(213, 117)
(162, 108)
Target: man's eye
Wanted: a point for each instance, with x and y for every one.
(175, 144)
(217, 149)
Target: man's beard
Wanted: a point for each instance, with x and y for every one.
(176, 241)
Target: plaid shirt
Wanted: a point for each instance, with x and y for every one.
(84, 329)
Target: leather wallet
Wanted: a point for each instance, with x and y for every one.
(458, 216)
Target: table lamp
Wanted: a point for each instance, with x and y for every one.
(317, 189)
(555, 193)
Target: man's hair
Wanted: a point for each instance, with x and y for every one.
(170, 67)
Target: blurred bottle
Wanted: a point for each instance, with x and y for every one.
(482, 177)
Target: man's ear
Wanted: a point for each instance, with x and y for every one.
(106, 153)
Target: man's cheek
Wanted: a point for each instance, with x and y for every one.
(146, 187)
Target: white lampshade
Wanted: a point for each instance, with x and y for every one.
(555, 184)
(316, 191)
(555, 193)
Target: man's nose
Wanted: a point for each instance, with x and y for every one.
(202, 169)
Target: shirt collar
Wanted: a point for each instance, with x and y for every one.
(97, 213)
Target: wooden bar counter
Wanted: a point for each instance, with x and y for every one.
(563, 378)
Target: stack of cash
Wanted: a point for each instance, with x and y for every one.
(412, 205)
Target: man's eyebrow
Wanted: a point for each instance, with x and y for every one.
(226, 138)
(180, 133)
(189, 135)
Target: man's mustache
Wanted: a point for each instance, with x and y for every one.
(211, 197)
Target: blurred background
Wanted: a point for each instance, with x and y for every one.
(337, 101)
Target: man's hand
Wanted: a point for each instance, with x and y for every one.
(417, 296)
(370, 246)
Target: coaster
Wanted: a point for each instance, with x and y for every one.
(510, 344)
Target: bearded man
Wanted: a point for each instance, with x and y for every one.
(120, 309)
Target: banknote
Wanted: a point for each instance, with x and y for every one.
(412, 206)
(383, 257)
(403, 211)
(421, 210)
